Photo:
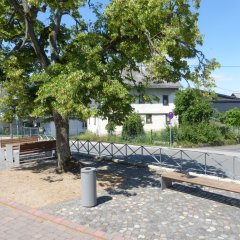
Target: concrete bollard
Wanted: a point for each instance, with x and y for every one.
(88, 187)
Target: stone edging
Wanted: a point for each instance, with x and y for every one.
(98, 234)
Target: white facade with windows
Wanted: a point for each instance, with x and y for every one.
(154, 114)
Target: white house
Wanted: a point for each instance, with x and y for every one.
(75, 127)
(154, 114)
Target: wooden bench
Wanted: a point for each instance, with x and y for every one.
(168, 178)
(32, 150)
(4, 142)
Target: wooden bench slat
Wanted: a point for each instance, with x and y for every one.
(3, 142)
(38, 146)
(203, 181)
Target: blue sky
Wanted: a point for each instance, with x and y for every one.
(219, 22)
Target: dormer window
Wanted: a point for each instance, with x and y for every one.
(165, 100)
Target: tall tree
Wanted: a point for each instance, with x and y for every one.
(55, 68)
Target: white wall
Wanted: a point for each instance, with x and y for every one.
(156, 109)
(75, 128)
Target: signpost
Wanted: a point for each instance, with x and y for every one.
(170, 117)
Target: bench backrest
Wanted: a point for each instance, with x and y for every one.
(38, 146)
(3, 142)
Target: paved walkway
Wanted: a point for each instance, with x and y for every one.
(137, 208)
(18, 222)
(132, 207)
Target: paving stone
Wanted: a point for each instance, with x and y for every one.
(22, 226)
(137, 210)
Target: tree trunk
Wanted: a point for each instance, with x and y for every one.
(62, 142)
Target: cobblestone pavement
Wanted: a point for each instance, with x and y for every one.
(17, 225)
(137, 209)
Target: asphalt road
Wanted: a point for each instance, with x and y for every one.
(220, 161)
(235, 149)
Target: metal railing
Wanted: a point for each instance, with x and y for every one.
(221, 165)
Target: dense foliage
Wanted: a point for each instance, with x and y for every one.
(132, 126)
(231, 117)
(53, 67)
(193, 106)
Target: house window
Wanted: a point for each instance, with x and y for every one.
(165, 100)
(89, 121)
(84, 124)
(148, 118)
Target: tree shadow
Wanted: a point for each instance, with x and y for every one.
(122, 179)
(181, 164)
(198, 192)
(38, 166)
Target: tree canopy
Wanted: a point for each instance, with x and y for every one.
(193, 106)
(50, 66)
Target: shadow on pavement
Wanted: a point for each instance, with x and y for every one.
(197, 191)
(103, 199)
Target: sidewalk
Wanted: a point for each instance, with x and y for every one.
(18, 222)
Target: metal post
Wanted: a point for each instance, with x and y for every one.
(111, 149)
(170, 134)
(234, 160)
(161, 156)
(142, 150)
(151, 136)
(126, 151)
(99, 149)
(88, 147)
(181, 159)
(205, 162)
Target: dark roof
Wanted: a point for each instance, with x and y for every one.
(142, 77)
(225, 97)
(236, 94)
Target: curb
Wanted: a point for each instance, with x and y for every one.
(98, 234)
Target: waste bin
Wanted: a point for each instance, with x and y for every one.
(88, 187)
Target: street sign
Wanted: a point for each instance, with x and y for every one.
(170, 115)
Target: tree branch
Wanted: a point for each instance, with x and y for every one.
(54, 36)
(24, 13)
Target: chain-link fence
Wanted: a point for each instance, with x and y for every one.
(12, 131)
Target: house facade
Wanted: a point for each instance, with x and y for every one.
(154, 115)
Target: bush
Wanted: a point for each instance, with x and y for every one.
(204, 133)
(110, 127)
(132, 126)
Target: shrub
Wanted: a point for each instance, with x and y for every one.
(204, 133)
(132, 126)
(110, 127)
